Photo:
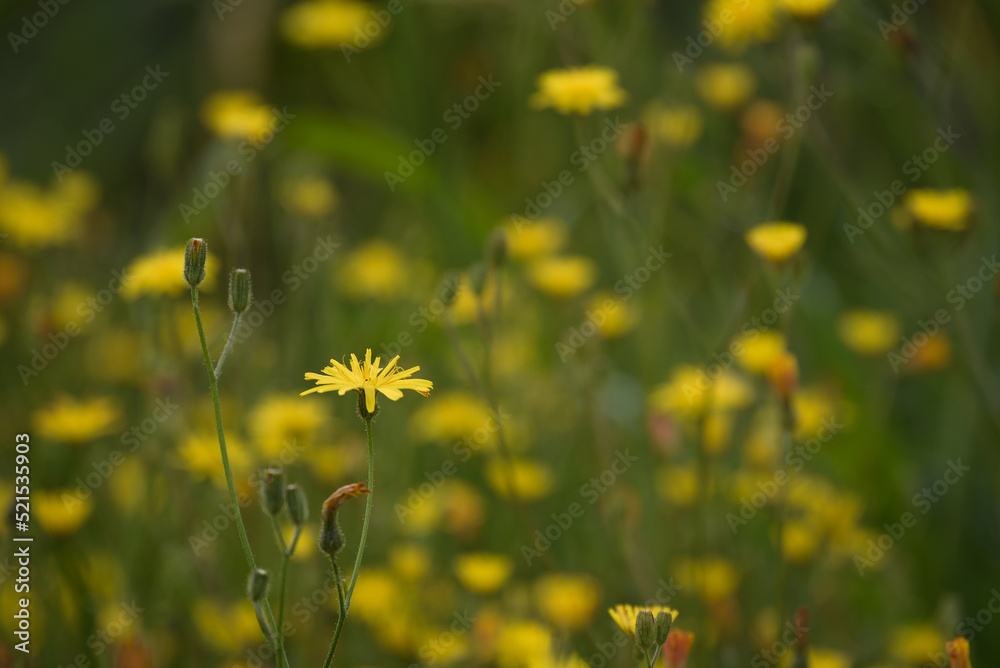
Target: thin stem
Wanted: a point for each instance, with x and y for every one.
(286, 554)
(229, 345)
(214, 386)
(343, 614)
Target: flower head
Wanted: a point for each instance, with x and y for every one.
(776, 241)
(940, 209)
(676, 649)
(368, 379)
(483, 572)
(625, 615)
(579, 90)
(807, 9)
(958, 653)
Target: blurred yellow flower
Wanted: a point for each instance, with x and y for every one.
(483, 572)
(161, 274)
(409, 561)
(374, 270)
(826, 658)
(329, 23)
(279, 421)
(310, 196)
(678, 484)
(690, 392)
(236, 114)
(614, 316)
(714, 578)
(940, 209)
(567, 601)
(625, 615)
(807, 9)
(521, 642)
(676, 127)
(528, 240)
(452, 416)
(199, 454)
(776, 241)
(376, 594)
(463, 509)
(60, 512)
(35, 218)
(563, 276)
(225, 627)
(933, 355)
(532, 480)
(800, 541)
(868, 332)
(814, 408)
(742, 22)
(77, 421)
(725, 86)
(760, 349)
(913, 643)
(368, 379)
(578, 90)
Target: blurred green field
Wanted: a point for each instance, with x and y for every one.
(706, 292)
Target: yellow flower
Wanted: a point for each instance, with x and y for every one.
(714, 578)
(567, 601)
(35, 218)
(528, 240)
(376, 270)
(614, 316)
(329, 23)
(933, 355)
(199, 453)
(563, 276)
(725, 86)
(368, 379)
(678, 485)
(161, 274)
(77, 421)
(742, 22)
(452, 416)
(310, 197)
(676, 127)
(807, 9)
(913, 643)
(409, 561)
(578, 90)
(278, 421)
(760, 349)
(776, 241)
(690, 392)
(236, 114)
(625, 615)
(521, 642)
(940, 209)
(868, 332)
(532, 480)
(800, 541)
(825, 658)
(60, 512)
(483, 572)
(227, 628)
(958, 653)
(376, 595)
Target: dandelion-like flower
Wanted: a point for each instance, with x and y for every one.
(958, 653)
(776, 241)
(625, 615)
(368, 379)
(579, 90)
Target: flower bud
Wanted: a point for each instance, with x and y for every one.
(240, 291)
(661, 627)
(274, 491)
(195, 257)
(784, 375)
(258, 584)
(644, 636)
(677, 648)
(477, 277)
(958, 653)
(330, 537)
(298, 509)
(496, 248)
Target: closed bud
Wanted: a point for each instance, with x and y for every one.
(477, 277)
(240, 291)
(258, 584)
(644, 636)
(330, 537)
(298, 509)
(496, 248)
(274, 491)
(195, 257)
(661, 627)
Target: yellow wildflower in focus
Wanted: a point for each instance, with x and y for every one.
(199, 454)
(237, 114)
(913, 643)
(625, 615)
(329, 24)
(567, 601)
(613, 315)
(563, 276)
(161, 274)
(368, 379)
(776, 241)
(868, 332)
(452, 416)
(940, 209)
(309, 197)
(521, 642)
(77, 421)
(800, 541)
(714, 578)
(483, 572)
(958, 653)
(532, 480)
(279, 421)
(725, 86)
(759, 350)
(678, 484)
(529, 240)
(743, 22)
(375, 270)
(807, 9)
(409, 561)
(60, 512)
(676, 127)
(578, 90)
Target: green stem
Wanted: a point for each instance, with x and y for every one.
(240, 528)
(286, 553)
(343, 614)
(229, 345)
